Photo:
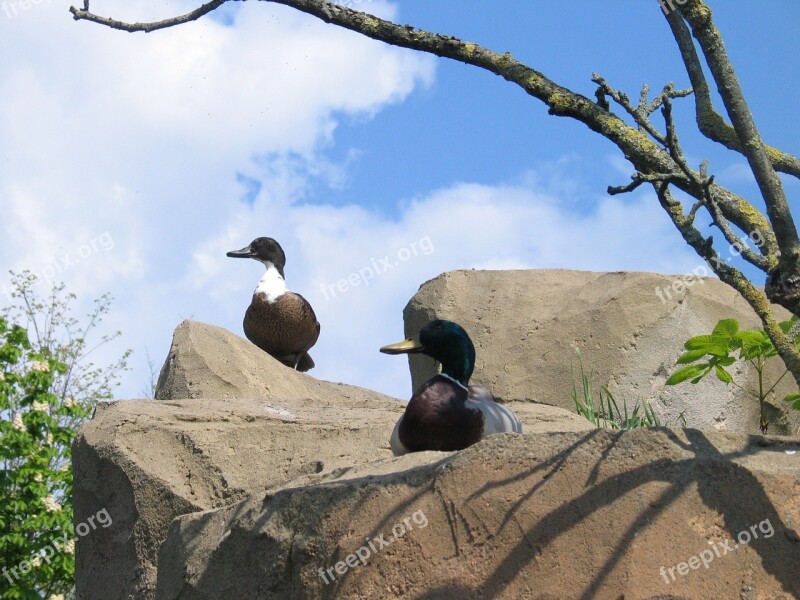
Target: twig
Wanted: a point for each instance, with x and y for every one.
(769, 184)
(709, 121)
(86, 15)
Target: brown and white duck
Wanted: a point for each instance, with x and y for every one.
(278, 321)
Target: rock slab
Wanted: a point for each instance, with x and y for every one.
(629, 329)
(643, 514)
(249, 424)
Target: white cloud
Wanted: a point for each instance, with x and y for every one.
(165, 120)
(142, 136)
(359, 268)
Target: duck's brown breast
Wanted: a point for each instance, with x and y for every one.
(283, 327)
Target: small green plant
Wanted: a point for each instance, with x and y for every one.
(604, 412)
(716, 352)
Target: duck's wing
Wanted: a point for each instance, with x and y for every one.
(305, 314)
(398, 449)
(496, 417)
(294, 330)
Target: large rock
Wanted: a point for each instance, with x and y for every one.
(206, 361)
(629, 329)
(249, 424)
(644, 514)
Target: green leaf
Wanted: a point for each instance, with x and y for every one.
(723, 375)
(688, 373)
(755, 343)
(752, 337)
(690, 356)
(700, 342)
(726, 328)
(792, 398)
(787, 325)
(711, 344)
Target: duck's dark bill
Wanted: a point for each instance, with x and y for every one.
(404, 347)
(243, 253)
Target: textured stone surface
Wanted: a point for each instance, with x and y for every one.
(251, 423)
(560, 515)
(206, 361)
(527, 325)
(247, 477)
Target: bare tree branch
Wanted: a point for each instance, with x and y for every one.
(640, 113)
(769, 183)
(700, 182)
(703, 183)
(84, 14)
(783, 282)
(709, 121)
(753, 148)
(657, 158)
(733, 277)
(758, 260)
(645, 154)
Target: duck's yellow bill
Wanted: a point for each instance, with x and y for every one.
(404, 347)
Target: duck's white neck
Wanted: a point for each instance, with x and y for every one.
(272, 285)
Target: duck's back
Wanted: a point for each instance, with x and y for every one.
(496, 417)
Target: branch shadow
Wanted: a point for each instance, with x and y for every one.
(275, 574)
(780, 557)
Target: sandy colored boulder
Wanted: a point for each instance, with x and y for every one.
(206, 361)
(643, 514)
(148, 461)
(629, 328)
(250, 424)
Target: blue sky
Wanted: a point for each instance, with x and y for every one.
(182, 144)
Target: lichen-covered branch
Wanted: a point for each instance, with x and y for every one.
(709, 121)
(644, 153)
(733, 277)
(783, 282)
(656, 157)
(642, 112)
(702, 181)
(699, 181)
(699, 17)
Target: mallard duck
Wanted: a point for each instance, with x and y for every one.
(278, 321)
(446, 413)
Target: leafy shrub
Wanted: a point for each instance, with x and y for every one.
(47, 389)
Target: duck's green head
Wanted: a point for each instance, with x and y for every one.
(446, 342)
